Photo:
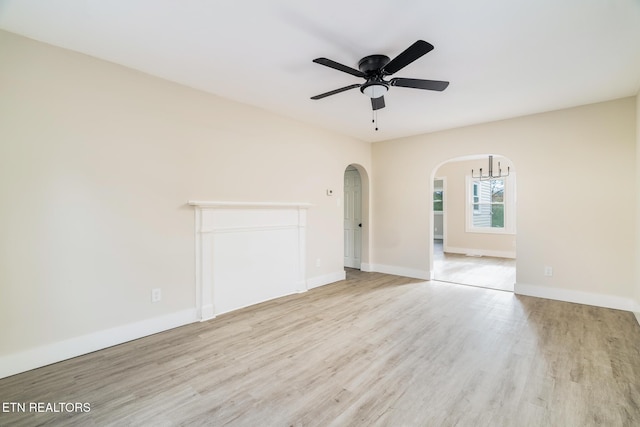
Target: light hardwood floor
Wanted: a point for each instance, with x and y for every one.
(374, 350)
(486, 272)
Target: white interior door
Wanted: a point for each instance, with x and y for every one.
(352, 218)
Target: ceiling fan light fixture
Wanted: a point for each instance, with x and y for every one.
(374, 89)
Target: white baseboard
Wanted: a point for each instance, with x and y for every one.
(365, 266)
(579, 297)
(26, 360)
(208, 313)
(326, 279)
(479, 252)
(401, 271)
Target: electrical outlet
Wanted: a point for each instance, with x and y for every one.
(548, 271)
(156, 294)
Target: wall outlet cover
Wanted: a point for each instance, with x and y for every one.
(156, 295)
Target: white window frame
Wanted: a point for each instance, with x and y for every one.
(443, 212)
(435, 190)
(475, 198)
(509, 207)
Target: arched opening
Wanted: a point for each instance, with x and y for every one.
(356, 214)
(473, 216)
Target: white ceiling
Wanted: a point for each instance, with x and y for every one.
(504, 58)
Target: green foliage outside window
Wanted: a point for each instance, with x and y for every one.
(438, 201)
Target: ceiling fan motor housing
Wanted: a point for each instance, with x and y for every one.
(372, 64)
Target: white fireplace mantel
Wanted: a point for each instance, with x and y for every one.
(248, 205)
(247, 253)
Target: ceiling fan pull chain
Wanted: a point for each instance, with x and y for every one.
(376, 119)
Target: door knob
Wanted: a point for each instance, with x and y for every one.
(360, 225)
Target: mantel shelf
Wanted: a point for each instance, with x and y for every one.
(248, 205)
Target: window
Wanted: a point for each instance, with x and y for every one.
(438, 195)
(437, 201)
(476, 196)
(489, 206)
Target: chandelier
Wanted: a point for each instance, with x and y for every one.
(490, 175)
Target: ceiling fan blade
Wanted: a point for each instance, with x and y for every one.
(412, 53)
(333, 64)
(377, 103)
(333, 92)
(419, 84)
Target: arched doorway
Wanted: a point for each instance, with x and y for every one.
(474, 218)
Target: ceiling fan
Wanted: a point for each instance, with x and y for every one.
(374, 69)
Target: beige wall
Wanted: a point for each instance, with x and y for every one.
(97, 163)
(575, 170)
(457, 238)
(637, 189)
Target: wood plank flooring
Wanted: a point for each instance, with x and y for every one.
(485, 272)
(374, 350)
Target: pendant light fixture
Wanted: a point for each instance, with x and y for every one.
(490, 175)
